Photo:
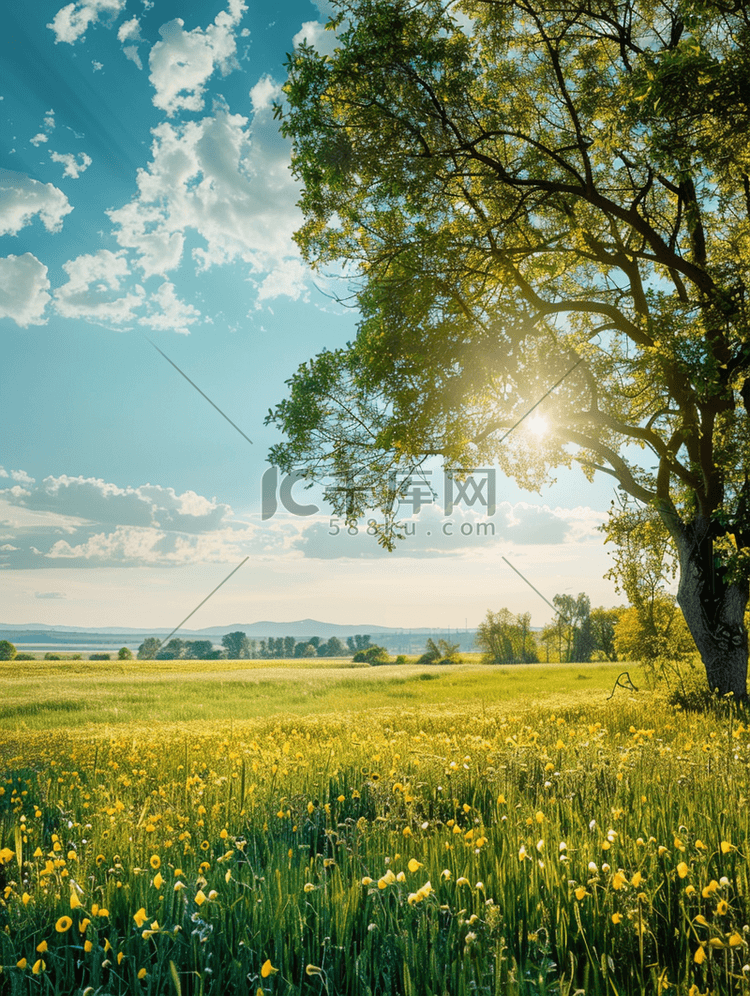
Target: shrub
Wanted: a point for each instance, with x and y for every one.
(24, 656)
(125, 654)
(401, 659)
(441, 652)
(7, 651)
(373, 655)
(683, 680)
(100, 657)
(53, 657)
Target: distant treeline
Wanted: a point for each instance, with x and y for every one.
(237, 646)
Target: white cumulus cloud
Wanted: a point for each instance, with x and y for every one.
(228, 182)
(74, 165)
(168, 313)
(94, 289)
(21, 198)
(23, 290)
(71, 22)
(129, 36)
(104, 525)
(38, 139)
(183, 61)
(264, 93)
(314, 33)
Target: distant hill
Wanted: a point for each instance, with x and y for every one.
(265, 628)
(396, 639)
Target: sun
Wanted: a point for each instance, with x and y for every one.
(538, 425)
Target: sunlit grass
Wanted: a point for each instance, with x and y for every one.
(52, 694)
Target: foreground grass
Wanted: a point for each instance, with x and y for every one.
(55, 694)
(456, 843)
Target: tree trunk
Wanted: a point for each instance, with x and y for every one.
(714, 610)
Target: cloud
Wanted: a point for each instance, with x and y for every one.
(132, 547)
(21, 198)
(70, 521)
(93, 290)
(534, 524)
(314, 33)
(264, 93)
(183, 61)
(129, 36)
(226, 181)
(75, 521)
(38, 139)
(71, 23)
(86, 522)
(168, 313)
(50, 594)
(325, 8)
(20, 476)
(95, 500)
(287, 278)
(23, 290)
(73, 168)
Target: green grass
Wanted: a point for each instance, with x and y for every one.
(406, 831)
(53, 694)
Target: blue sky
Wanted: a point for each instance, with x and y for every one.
(145, 194)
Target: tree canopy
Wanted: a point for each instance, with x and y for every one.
(529, 194)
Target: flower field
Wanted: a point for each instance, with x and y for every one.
(453, 849)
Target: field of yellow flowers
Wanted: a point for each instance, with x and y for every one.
(598, 847)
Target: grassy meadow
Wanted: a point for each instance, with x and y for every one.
(319, 828)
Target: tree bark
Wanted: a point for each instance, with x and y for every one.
(714, 610)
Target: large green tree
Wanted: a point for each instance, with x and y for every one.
(526, 194)
(505, 638)
(236, 645)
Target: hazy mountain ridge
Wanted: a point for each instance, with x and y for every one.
(263, 629)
